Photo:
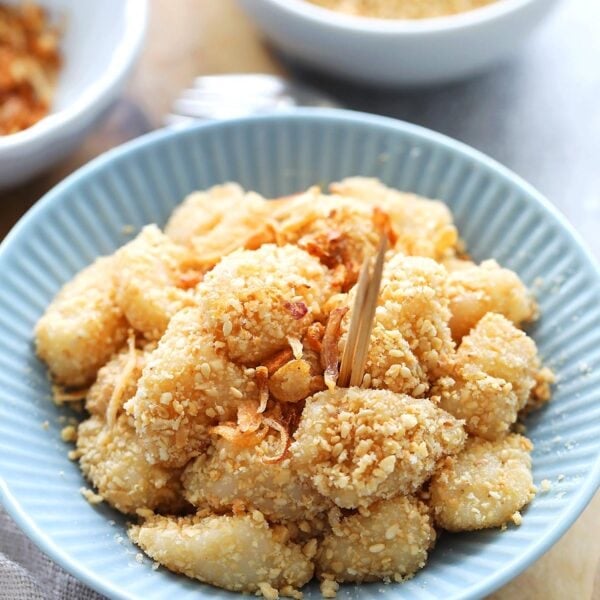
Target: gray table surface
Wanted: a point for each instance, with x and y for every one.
(538, 114)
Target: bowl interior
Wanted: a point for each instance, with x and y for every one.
(498, 215)
(93, 31)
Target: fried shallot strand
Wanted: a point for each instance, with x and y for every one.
(284, 442)
(277, 361)
(232, 433)
(383, 223)
(330, 351)
(334, 250)
(116, 399)
(262, 382)
(248, 416)
(313, 337)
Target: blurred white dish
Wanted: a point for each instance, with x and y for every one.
(398, 52)
(101, 41)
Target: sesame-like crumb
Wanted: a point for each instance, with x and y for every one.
(329, 588)
(68, 434)
(268, 592)
(516, 518)
(91, 496)
(45, 425)
(289, 592)
(545, 485)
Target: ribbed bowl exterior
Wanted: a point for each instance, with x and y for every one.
(498, 215)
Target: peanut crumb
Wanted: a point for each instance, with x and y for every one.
(268, 592)
(91, 496)
(68, 434)
(329, 588)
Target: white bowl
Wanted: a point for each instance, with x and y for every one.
(102, 38)
(398, 53)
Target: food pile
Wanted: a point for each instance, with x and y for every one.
(208, 355)
(29, 64)
(401, 9)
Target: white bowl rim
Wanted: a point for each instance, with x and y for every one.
(355, 23)
(554, 532)
(136, 18)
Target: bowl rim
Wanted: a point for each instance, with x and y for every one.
(514, 566)
(127, 48)
(326, 17)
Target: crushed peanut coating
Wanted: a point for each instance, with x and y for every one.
(389, 540)
(83, 326)
(186, 386)
(227, 476)
(113, 460)
(254, 300)
(402, 9)
(102, 390)
(411, 340)
(412, 301)
(153, 276)
(493, 376)
(208, 357)
(237, 553)
(476, 290)
(484, 485)
(217, 222)
(358, 446)
(423, 227)
(339, 231)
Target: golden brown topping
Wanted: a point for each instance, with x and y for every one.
(330, 356)
(358, 445)
(228, 399)
(402, 9)
(278, 360)
(314, 336)
(284, 442)
(29, 64)
(295, 381)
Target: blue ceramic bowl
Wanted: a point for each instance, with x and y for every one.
(498, 215)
